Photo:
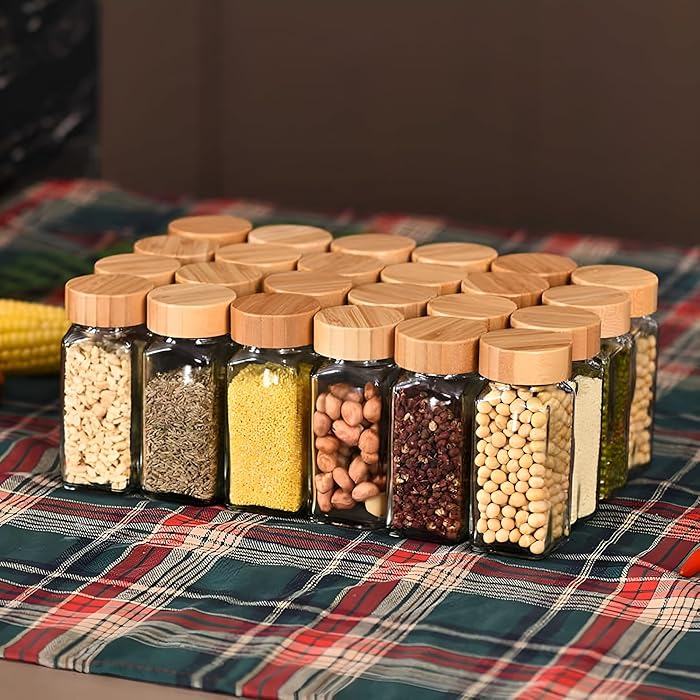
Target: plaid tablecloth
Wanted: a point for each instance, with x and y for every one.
(265, 607)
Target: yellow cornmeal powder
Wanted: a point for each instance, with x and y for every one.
(268, 416)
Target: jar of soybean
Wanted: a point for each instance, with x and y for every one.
(183, 391)
(523, 443)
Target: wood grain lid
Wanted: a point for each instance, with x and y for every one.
(556, 269)
(218, 229)
(266, 259)
(239, 279)
(154, 268)
(493, 310)
(468, 257)
(524, 289)
(107, 301)
(441, 279)
(438, 345)
(359, 269)
(355, 332)
(305, 239)
(386, 247)
(189, 310)
(612, 306)
(525, 357)
(642, 285)
(580, 325)
(327, 289)
(273, 320)
(185, 250)
(410, 300)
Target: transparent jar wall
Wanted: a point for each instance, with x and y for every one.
(268, 418)
(350, 427)
(100, 389)
(645, 332)
(430, 453)
(522, 461)
(182, 418)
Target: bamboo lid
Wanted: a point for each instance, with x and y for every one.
(359, 269)
(642, 285)
(154, 268)
(468, 257)
(438, 345)
(494, 311)
(612, 306)
(522, 288)
(355, 332)
(185, 250)
(273, 320)
(410, 300)
(265, 259)
(242, 280)
(581, 326)
(189, 310)
(441, 279)
(305, 239)
(327, 289)
(107, 301)
(388, 248)
(218, 229)
(556, 269)
(525, 357)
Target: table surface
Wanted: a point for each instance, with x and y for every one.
(263, 607)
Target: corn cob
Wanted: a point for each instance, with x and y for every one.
(30, 337)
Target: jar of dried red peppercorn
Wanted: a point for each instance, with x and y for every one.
(431, 414)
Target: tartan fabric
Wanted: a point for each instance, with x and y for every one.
(263, 607)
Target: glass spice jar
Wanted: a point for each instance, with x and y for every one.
(182, 395)
(350, 393)
(268, 403)
(100, 380)
(523, 450)
(432, 408)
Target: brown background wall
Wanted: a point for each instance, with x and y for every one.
(577, 115)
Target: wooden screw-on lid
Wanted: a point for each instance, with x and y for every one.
(642, 285)
(189, 310)
(154, 268)
(556, 269)
(273, 320)
(524, 357)
(441, 279)
(438, 345)
(494, 311)
(410, 300)
(242, 280)
(107, 301)
(468, 257)
(327, 289)
(359, 269)
(219, 230)
(612, 306)
(305, 239)
(522, 288)
(185, 250)
(386, 247)
(581, 326)
(266, 259)
(355, 332)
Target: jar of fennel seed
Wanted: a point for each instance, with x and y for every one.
(183, 392)
(268, 403)
(523, 443)
(642, 286)
(432, 408)
(100, 381)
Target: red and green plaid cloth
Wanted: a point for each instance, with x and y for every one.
(265, 607)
